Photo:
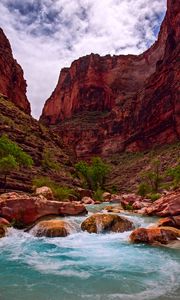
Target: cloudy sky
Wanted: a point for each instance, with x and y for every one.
(47, 35)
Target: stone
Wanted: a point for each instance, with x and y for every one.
(4, 222)
(167, 205)
(87, 200)
(114, 209)
(100, 223)
(170, 221)
(109, 104)
(154, 235)
(106, 197)
(84, 193)
(25, 209)
(53, 228)
(45, 191)
(140, 204)
(127, 200)
(116, 198)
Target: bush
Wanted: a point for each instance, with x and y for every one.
(12, 157)
(62, 193)
(154, 196)
(8, 147)
(59, 192)
(94, 174)
(97, 195)
(144, 189)
(174, 173)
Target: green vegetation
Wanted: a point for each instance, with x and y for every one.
(48, 161)
(154, 196)
(60, 192)
(97, 195)
(12, 157)
(94, 174)
(174, 173)
(155, 180)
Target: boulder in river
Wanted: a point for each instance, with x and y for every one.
(53, 228)
(2, 231)
(98, 223)
(24, 209)
(154, 235)
(114, 209)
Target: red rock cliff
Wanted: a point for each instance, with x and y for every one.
(12, 83)
(103, 105)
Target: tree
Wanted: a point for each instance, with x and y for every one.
(12, 157)
(94, 174)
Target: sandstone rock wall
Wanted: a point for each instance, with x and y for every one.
(104, 105)
(12, 82)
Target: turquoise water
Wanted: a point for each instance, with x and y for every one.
(86, 266)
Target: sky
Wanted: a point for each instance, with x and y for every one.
(47, 35)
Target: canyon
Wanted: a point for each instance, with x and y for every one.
(110, 104)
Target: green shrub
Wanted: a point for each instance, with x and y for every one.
(97, 195)
(42, 181)
(144, 189)
(174, 173)
(154, 196)
(94, 174)
(62, 192)
(8, 147)
(59, 192)
(12, 157)
(128, 207)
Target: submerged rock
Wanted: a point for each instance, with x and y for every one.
(106, 223)
(155, 235)
(24, 209)
(2, 231)
(114, 209)
(53, 228)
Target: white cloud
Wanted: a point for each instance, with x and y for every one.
(47, 35)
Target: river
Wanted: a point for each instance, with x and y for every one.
(87, 266)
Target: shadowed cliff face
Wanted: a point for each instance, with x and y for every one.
(103, 105)
(12, 83)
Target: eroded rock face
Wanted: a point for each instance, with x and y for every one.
(162, 235)
(106, 223)
(12, 82)
(103, 105)
(24, 209)
(170, 221)
(53, 228)
(168, 205)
